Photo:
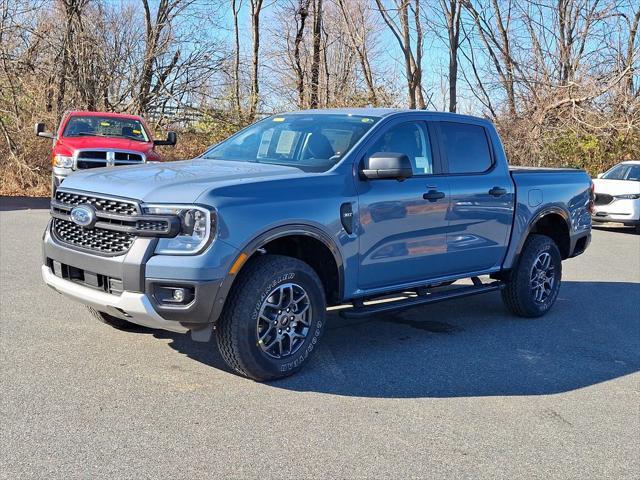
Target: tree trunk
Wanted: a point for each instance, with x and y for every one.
(235, 7)
(315, 62)
(302, 13)
(256, 7)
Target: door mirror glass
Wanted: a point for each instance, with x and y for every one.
(40, 131)
(387, 165)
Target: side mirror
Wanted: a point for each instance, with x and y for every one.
(387, 165)
(172, 138)
(40, 131)
(599, 175)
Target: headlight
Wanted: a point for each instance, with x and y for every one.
(630, 196)
(197, 228)
(63, 161)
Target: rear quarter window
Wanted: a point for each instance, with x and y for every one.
(465, 147)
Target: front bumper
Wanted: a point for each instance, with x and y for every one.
(126, 286)
(131, 306)
(626, 211)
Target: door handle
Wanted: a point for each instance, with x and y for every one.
(433, 195)
(497, 191)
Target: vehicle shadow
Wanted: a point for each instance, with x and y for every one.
(471, 347)
(24, 203)
(618, 228)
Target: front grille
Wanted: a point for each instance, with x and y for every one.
(97, 155)
(84, 164)
(120, 207)
(98, 239)
(127, 157)
(603, 199)
(152, 225)
(102, 158)
(116, 225)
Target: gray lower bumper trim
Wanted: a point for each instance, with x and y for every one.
(131, 306)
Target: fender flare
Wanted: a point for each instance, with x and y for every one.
(535, 219)
(251, 247)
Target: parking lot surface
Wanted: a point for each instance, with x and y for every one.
(454, 390)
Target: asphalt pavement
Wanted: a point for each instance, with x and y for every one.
(454, 390)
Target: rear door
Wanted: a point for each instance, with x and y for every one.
(482, 196)
(403, 234)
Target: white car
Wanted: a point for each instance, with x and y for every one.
(618, 194)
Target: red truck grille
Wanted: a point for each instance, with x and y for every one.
(103, 158)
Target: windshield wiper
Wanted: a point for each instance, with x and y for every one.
(137, 139)
(88, 134)
(95, 134)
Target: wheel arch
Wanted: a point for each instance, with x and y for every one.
(296, 240)
(555, 223)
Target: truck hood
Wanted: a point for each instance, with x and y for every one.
(83, 143)
(173, 182)
(616, 187)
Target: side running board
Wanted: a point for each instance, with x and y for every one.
(360, 310)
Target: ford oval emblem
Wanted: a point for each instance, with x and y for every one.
(83, 215)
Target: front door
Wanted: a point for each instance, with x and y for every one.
(403, 225)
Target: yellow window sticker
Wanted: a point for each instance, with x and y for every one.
(105, 124)
(367, 120)
(137, 132)
(278, 119)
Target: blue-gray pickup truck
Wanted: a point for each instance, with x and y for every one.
(254, 239)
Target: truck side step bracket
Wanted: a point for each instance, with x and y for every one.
(362, 310)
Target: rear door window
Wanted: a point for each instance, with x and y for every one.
(465, 147)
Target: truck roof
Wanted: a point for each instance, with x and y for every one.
(381, 112)
(86, 113)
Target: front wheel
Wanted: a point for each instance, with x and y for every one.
(273, 318)
(533, 285)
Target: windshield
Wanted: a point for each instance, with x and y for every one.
(624, 172)
(92, 126)
(311, 142)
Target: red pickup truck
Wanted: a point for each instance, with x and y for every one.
(99, 139)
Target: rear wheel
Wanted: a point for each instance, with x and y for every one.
(534, 284)
(273, 319)
(115, 322)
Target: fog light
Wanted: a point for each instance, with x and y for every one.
(173, 295)
(178, 295)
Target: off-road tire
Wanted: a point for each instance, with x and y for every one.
(236, 330)
(115, 322)
(517, 295)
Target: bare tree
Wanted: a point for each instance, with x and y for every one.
(399, 20)
(357, 28)
(315, 62)
(256, 8)
(236, 5)
(301, 14)
(494, 29)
